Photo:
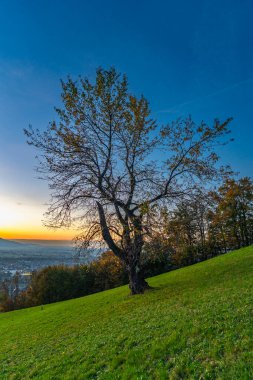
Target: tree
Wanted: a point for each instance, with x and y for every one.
(232, 215)
(108, 163)
(187, 228)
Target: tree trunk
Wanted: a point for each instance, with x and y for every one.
(137, 282)
(130, 256)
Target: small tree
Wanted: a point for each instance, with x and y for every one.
(108, 163)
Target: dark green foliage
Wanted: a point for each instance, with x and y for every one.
(107, 272)
(59, 282)
(157, 256)
(6, 302)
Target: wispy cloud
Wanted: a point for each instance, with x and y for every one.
(176, 108)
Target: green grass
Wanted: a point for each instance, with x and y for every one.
(196, 324)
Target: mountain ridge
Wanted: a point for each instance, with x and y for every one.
(5, 243)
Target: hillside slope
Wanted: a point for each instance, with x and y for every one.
(196, 324)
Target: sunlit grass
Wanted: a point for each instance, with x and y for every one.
(197, 323)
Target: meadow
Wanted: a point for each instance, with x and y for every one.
(196, 323)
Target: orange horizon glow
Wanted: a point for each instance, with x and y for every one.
(38, 232)
(22, 221)
(37, 235)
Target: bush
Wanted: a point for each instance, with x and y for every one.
(108, 272)
(56, 283)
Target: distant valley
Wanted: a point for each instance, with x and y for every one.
(25, 256)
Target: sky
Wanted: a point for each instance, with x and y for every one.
(187, 57)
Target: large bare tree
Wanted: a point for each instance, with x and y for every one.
(108, 164)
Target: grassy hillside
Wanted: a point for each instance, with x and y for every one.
(196, 324)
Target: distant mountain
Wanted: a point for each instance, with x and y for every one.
(9, 243)
(43, 242)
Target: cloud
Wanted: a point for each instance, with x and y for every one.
(176, 108)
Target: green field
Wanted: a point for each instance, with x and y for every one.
(197, 323)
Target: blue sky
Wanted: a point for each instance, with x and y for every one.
(187, 57)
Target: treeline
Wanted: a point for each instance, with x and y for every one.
(210, 224)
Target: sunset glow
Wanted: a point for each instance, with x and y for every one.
(18, 221)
